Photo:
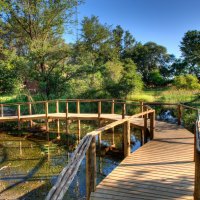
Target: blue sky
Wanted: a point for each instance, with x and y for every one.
(160, 21)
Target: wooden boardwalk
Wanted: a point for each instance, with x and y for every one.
(161, 169)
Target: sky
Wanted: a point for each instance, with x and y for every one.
(162, 21)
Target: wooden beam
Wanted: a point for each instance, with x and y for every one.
(79, 129)
(123, 110)
(67, 120)
(141, 107)
(113, 107)
(18, 116)
(197, 176)
(99, 113)
(179, 114)
(2, 110)
(78, 106)
(127, 139)
(46, 115)
(91, 169)
(30, 113)
(152, 125)
(145, 126)
(57, 106)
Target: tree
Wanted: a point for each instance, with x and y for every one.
(190, 47)
(131, 81)
(35, 29)
(150, 57)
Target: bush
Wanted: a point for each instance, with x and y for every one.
(188, 81)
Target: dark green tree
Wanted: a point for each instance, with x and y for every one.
(190, 47)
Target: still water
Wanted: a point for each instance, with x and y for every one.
(30, 165)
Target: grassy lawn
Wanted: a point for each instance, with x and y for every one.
(170, 95)
(167, 94)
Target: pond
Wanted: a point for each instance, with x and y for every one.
(30, 165)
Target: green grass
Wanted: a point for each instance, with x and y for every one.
(169, 95)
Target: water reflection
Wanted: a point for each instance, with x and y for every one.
(29, 165)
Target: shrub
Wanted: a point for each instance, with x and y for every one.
(188, 81)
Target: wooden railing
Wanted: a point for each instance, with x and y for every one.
(88, 146)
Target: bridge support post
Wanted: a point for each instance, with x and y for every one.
(197, 176)
(58, 120)
(67, 120)
(145, 126)
(123, 110)
(47, 120)
(152, 125)
(141, 107)
(127, 139)
(91, 169)
(1, 110)
(30, 113)
(179, 114)
(18, 116)
(113, 107)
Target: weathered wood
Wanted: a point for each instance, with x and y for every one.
(2, 114)
(18, 116)
(113, 107)
(197, 161)
(91, 169)
(161, 169)
(127, 139)
(79, 129)
(123, 110)
(145, 126)
(46, 116)
(78, 106)
(141, 106)
(30, 113)
(152, 125)
(57, 106)
(179, 114)
(142, 137)
(67, 117)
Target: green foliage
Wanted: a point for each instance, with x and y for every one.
(155, 78)
(131, 81)
(188, 81)
(190, 47)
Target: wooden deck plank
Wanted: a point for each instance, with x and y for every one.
(161, 169)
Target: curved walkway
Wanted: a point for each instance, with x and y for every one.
(161, 169)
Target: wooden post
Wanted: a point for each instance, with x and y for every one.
(145, 126)
(18, 116)
(30, 113)
(78, 106)
(141, 107)
(78, 121)
(179, 114)
(67, 121)
(142, 137)
(99, 113)
(46, 115)
(57, 106)
(113, 107)
(152, 125)
(123, 110)
(113, 136)
(91, 169)
(127, 139)
(1, 110)
(79, 130)
(197, 176)
(58, 121)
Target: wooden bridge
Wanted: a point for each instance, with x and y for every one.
(163, 168)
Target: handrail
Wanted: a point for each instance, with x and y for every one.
(68, 173)
(198, 132)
